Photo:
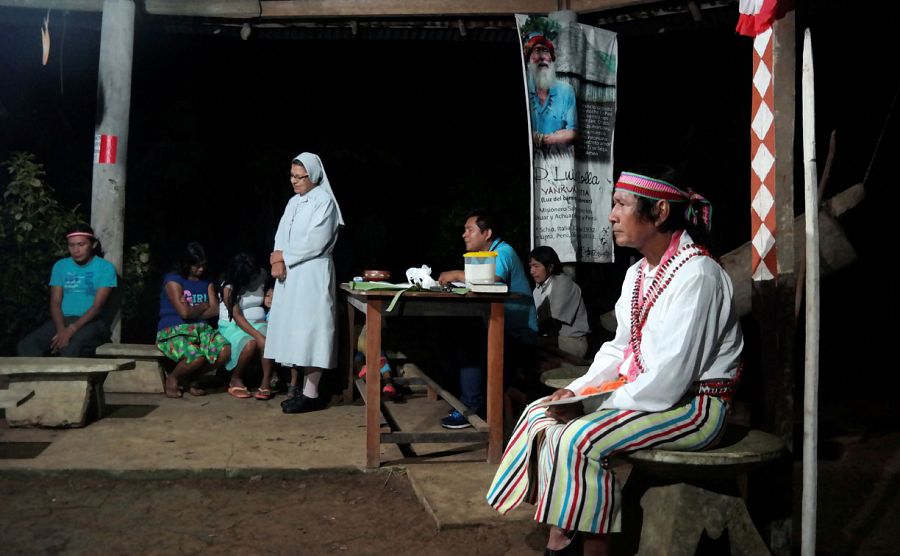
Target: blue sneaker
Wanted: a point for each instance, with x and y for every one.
(455, 420)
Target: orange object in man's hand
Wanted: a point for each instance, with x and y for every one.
(607, 386)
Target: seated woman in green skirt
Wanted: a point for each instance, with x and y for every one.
(186, 300)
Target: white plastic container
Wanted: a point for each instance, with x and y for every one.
(481, 267)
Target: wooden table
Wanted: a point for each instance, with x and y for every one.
(373, 303)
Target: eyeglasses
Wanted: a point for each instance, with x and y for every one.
(298, 178)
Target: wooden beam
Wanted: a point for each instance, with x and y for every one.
(785, 63)
(433, 437)
(773, 300)
(239, 9)
(375, 8)
(588, 6)
(71, 5)
(245, 9)
(373, 383)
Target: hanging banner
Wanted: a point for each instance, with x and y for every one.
(570, 83)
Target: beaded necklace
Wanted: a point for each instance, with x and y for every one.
(641, 304)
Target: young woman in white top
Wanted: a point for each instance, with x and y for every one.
(242, 321)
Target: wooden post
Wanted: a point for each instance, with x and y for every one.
(373, 382)
(811, 380)
(774, 273)
(350, 350)
(495, 382)
(111, 132)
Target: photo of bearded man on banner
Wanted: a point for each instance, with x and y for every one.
(569, 76)
(554, 115)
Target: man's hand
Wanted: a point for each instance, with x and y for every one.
(567, 412)
(61, 339)
(451, 276)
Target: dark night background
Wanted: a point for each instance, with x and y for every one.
(416, 127)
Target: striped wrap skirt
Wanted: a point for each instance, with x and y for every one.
(562, 468)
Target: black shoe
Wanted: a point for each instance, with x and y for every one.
(302, 404)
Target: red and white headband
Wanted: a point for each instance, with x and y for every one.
(651, 188)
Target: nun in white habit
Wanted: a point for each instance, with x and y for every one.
(301, 323)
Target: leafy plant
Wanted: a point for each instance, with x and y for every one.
(139, 304)
(538, 25)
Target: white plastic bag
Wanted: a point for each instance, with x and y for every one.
(421, 277)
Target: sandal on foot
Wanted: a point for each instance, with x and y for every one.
(385, 368)
(390, 392)
(263, 394)
(239, 392)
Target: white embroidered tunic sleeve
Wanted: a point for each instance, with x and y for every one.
(691, 333)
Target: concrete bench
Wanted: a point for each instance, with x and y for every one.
(683, 494)
(148, 375)
(560, 377)
(68, 392)
(14, 398)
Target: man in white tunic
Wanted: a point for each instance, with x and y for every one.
(671, 368)
(301, 322)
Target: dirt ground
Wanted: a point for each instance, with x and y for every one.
(858, 481)
(330, 513)
(319, 514)
(378, 513)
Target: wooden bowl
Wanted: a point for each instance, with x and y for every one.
(376, 275)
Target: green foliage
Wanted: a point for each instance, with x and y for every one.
(139, 305)
(30, 214)
(137, 271)
(32, 225)
(545, 26)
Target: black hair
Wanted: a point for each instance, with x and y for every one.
(82, 228)
(547, 257)
(485, 220)
(192, 254)
(677, 219)
(241, 272)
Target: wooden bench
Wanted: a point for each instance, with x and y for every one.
(683, 494)
(68, 392)
(148, 375)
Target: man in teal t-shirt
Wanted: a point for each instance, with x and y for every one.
(79, 288)
(80, 283)
(480, 234)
